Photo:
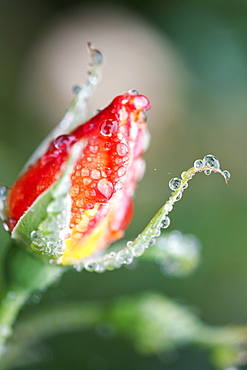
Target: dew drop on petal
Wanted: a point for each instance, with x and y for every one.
(175, 183)
(87, 181)
(211, 161)
(94, 148)
(144, 116)
(207, 172)
(121, 171)
(108, 146)
(75, 190)
(85, 172)
(118, 186)
(79, 203)
(108, 127)
(63, 142)
(122, 149)
(105, 187)
(95, 174)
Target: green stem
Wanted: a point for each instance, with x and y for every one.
(24, 275)
(10, 305)
(48, 322)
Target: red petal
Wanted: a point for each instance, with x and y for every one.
(103, 162)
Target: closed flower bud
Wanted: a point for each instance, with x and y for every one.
(76, 199)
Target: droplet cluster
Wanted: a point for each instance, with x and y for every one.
(98, 173)
(49, 238)
(160, 221)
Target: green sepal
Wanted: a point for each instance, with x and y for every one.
(41, 229)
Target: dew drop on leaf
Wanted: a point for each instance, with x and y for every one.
(175, 183)
(211, 161)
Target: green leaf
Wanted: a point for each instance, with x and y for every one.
(41, 229)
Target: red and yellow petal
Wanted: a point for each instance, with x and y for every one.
(102, 182)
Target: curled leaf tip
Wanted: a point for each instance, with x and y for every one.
(160, 221)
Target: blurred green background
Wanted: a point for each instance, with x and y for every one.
(190, 59)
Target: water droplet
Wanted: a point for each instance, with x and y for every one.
(96, 55)
(121, 171)
(108, 127)
(165, 223)
(144, 116)
(94, 148)
(178, 196)
(79, 203)
(85, 172)
(96, 111)
(90, 266)
(211, 161)
(175, 183)
(105, 187)
(76, 89)
(199, 163)
(100, 268)
(138, 250)
(226, 175)
(133, 92)
(108, 145)
(35, 236)
(124, 256)
(78, 267)
(122, 149)
(118, 186)
(129, 243)
(168, 207)
(95, 174)
(156, 232)
(63, 142)
(185, 176)
(207, 172)
(3, 193)
(75, 190)
(87, 181)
